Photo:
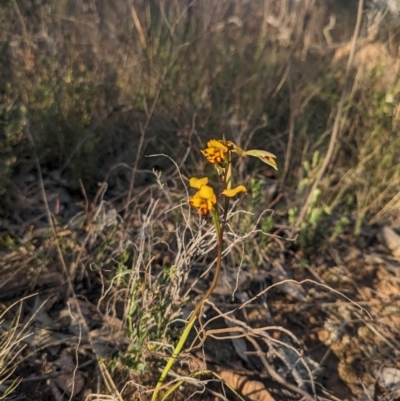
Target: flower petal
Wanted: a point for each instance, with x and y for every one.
(203, 210)
(234, 191)
(208, 151)
(207, 193)
(198, 182)
(196, 201)
(217, 144)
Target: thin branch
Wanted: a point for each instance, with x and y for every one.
(336, 125)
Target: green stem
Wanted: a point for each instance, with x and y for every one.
(189, 325)
(217, 223)
(201, 372)
(219, 227)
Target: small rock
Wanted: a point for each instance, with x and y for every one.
(289, 287)
(390, 378)
(391, 240)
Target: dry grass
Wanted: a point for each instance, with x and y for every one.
(102, 275)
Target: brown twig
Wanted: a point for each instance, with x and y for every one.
(337, 124)
(143, 130)
(275, 376)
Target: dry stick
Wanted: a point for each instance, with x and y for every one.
(70, 290)
(293, 115)
(202, 372)
(249, 331)
(336, 125)
(22, 22)
(143, 129)
(295, 110)
(149, 113)
(48, 375)
(274, 375)
(138, 27)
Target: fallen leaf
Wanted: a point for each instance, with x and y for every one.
(238, 342)
(40, 316)
(252, 389)
(71, 381)
(65, 362)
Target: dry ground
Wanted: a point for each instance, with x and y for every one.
(96, 279)
(335, 335)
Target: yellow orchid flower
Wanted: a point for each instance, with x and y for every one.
(234, 191)
(198, 182)
(204, 199)
(215, 152)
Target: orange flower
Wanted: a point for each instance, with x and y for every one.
(204, 199)
(215, 152)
